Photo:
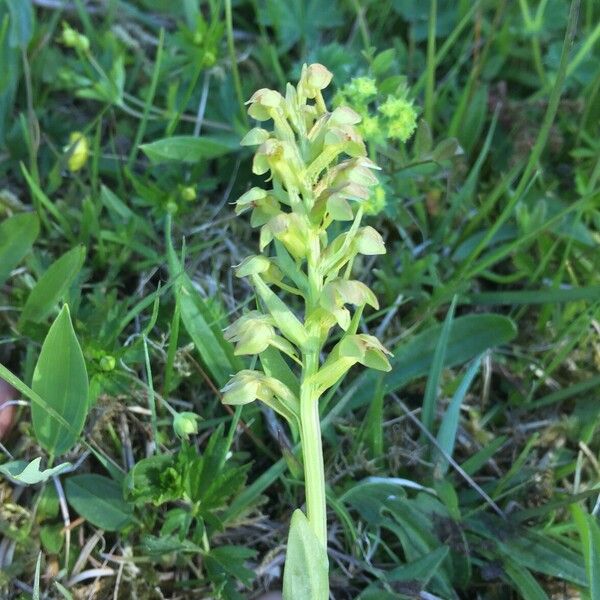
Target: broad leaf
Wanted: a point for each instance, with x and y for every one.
(60, 379)
(306, 566)
(99, 500)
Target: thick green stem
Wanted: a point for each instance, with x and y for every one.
(310, 424)
(312, 452)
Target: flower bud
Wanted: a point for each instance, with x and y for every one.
(185, 424)
(108, 363)
(314, 78)
(73, 39)
(78, 150)
(188, 193)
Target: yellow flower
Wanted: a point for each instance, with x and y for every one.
(78, 151)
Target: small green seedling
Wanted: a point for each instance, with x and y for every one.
(320, 176)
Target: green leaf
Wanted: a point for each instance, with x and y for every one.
(52, 537)
(60, 379)
(524, 581)
(589, 533)
(422, 569)
(17, 235)
(29, 473)
(469, 336)
(593, 554)
(449, 424)
(274, 365)
(99, 500)
(165, 544)
(200, 323)
(229, 560)
(190, 149)
(541, 553)
(22, 22)
(306, 566)
(543, 296)
(296, 20)
(435, 372)
(285, 319)
(53, 285)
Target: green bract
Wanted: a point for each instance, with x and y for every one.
(316, 164)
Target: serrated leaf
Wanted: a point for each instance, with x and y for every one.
(60, 379)
(306, 567)
(17, 235)
(99, 500)
(29, 473)
(53, 285)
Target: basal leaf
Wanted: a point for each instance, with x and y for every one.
(306, 566)
(60, 379)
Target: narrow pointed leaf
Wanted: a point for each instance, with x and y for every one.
(200, 323)
(17, 235)
(53, 285)
(437, 365)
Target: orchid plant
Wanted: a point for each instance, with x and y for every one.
(319, 178)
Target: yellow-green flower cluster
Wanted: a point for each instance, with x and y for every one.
(400, 118)
(395, 118)
(71, 38)
(317, 164)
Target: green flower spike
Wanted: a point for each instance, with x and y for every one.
(316, 166)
